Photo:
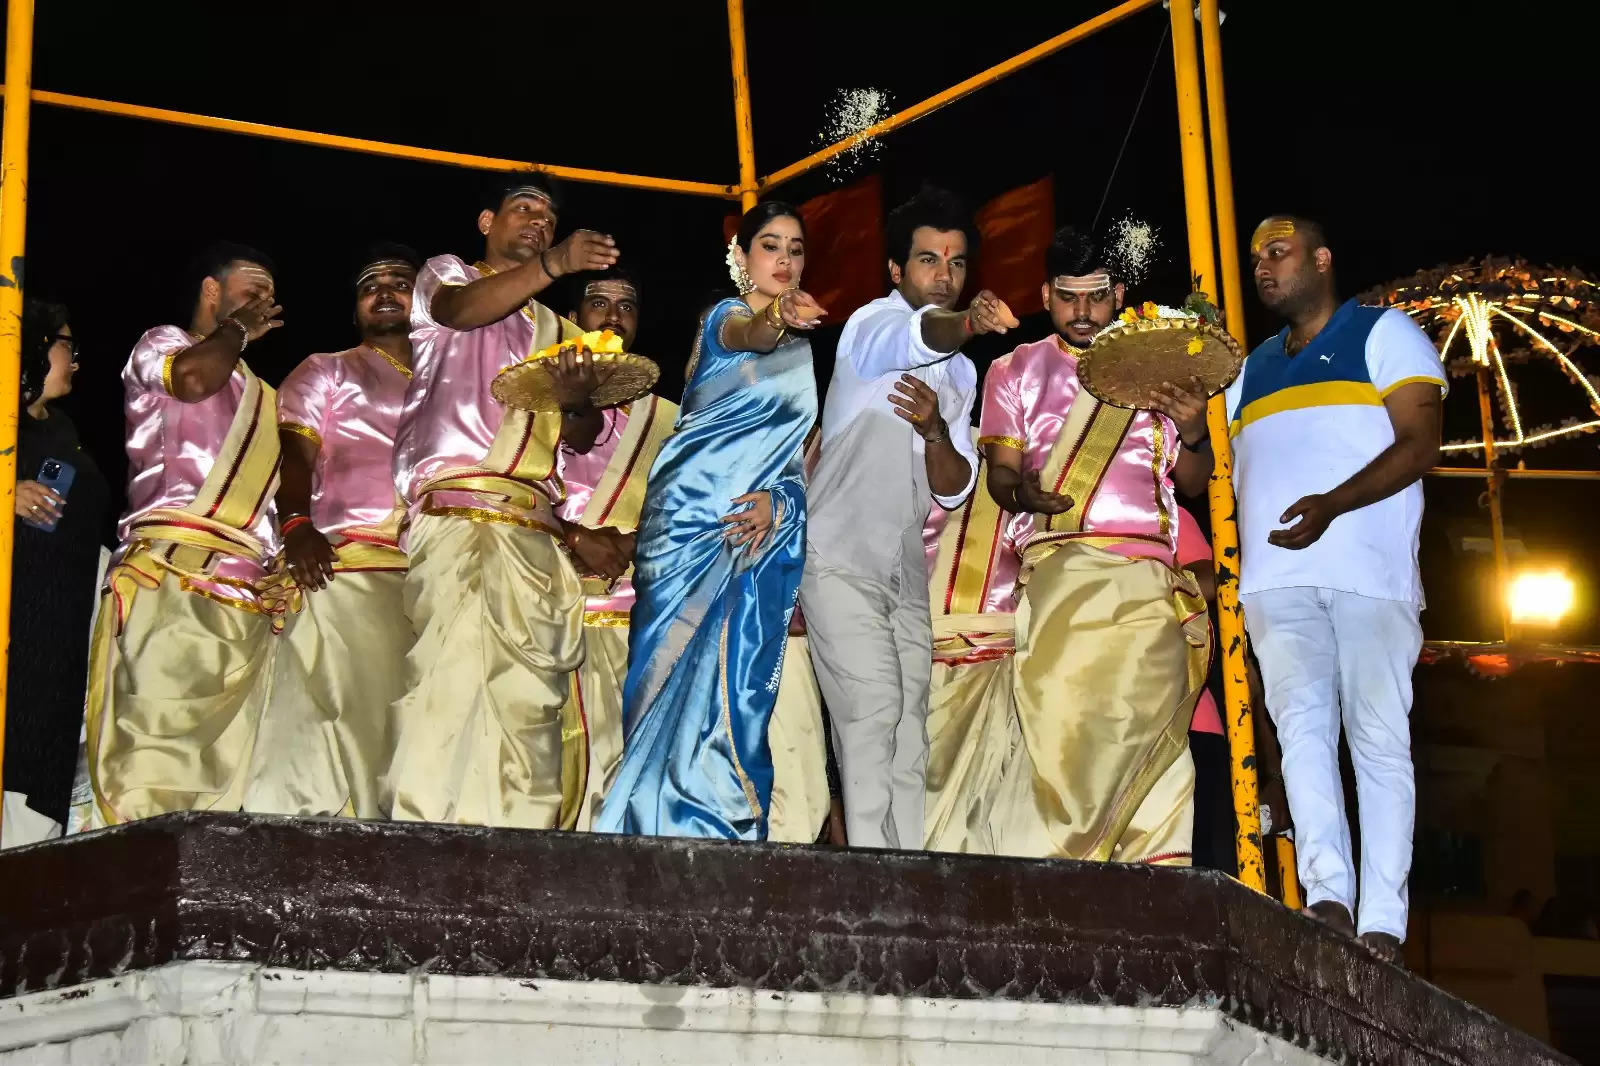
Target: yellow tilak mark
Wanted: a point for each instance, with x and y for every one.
(1272, 229)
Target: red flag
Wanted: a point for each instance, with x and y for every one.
(1016, 227)
(846, 265)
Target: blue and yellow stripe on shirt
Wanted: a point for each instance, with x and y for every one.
(1330, 371)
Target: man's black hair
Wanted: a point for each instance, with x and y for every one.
(218, 260)
(1074, 255)
(494, 193)
(934, 207)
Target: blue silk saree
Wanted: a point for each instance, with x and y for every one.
(708, 628)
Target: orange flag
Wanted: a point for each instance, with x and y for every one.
(846, 265)
(1016, 227)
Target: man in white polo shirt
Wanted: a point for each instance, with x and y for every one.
(896, 438)
(1334, 421)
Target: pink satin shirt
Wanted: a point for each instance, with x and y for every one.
(449, 419)
(172, 445)
(349, 403)
(1026, 397)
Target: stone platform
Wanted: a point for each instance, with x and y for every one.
(237, 938)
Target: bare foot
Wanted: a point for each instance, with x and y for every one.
(1335, 916)
(1384, 945)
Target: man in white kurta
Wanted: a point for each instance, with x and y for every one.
(894, 441)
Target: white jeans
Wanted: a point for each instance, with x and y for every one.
(1323, 652)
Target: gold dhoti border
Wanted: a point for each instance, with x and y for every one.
(497, 610)
(324, 737)
(591, 723)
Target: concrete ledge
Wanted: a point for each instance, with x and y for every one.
(243, 1012)
(389, 898)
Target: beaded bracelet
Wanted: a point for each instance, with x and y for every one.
(244, 331)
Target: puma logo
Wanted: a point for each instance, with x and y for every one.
(1327, 358)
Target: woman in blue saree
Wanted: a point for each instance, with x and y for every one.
(715, 589)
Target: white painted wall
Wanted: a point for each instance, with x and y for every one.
(233, 1013)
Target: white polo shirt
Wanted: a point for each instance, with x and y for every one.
(1305, 424)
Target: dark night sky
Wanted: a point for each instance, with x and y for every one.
(1395, 122)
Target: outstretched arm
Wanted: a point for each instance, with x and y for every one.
(761, 332)
(489, 299)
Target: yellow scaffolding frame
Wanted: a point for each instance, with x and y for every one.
(1197, 205)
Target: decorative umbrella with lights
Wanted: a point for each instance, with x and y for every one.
(1484, 315)
(1488, 313)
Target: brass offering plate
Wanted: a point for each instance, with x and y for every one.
(1128, 361)
(624, 377)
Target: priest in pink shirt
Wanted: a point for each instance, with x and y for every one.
(183, 645)
(1112, 638)
(604, 490)
(495, 601)
(325, 738)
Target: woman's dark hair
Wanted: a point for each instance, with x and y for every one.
(760, 215)
(939, 208)
(40, 323)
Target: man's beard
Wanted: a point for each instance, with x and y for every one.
(1093, 327)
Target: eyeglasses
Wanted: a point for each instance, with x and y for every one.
(69, 340)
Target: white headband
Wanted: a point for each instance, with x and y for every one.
(382, 266)
(1087, 283)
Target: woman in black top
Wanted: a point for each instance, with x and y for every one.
(53, 585)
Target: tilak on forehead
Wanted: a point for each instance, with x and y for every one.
(530, 190)
(1091, 283)
(384, 266)
(612, 287)
(1273, 229)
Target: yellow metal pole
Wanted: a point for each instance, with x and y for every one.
(1222, 170)
(382, 148)
(1497, 526)
(743, 128)
(1515, 474)
(13, 229)
(1288, 874)
(1224, 530)
(960, 89)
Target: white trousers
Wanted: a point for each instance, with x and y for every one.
(1327, 655)
(872, 648)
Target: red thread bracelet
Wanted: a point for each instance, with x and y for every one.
(293, 522)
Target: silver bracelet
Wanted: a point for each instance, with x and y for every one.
(244, 332)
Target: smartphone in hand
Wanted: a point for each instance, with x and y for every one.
(56, 475)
